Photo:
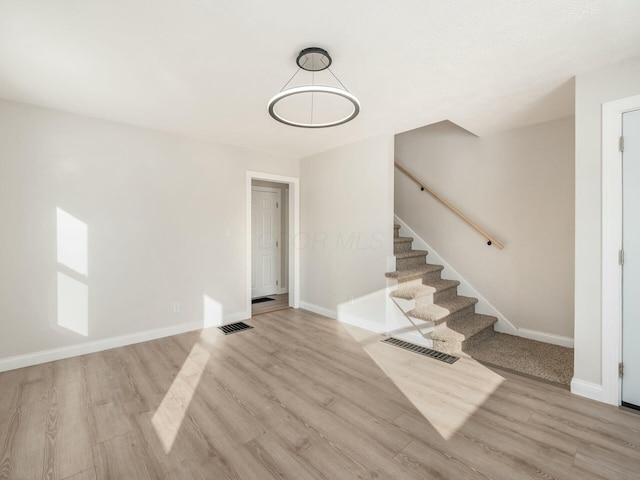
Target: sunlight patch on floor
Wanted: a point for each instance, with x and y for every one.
(170, 414)
(427, 384)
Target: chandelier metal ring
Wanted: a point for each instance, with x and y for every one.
(314, 89)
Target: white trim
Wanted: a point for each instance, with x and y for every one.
(611, 314)
(44, 356)
(294, 234)
(546, 337)
(587, 389)
(319, 310)
(484, 306)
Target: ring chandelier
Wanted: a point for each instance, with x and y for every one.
(313, 60)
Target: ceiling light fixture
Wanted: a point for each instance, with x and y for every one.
(310, 105)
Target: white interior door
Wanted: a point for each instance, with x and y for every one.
(265, 241)
(631, 264)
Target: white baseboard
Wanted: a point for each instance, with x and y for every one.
(546, 337)
(483, 306)
(44, 356)
(318, 309)
(587, 389)
(235, 317)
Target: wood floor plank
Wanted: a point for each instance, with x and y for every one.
(66, 371)
(68, 438)
(11, 388)
(279, 302)
(37, 384)
(270, 449)
(434, 462)
(22, 454)
(86, 475)
(607, 464)
(121, 457)
(108, 420)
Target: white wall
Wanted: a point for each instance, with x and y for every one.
(346, 216)
(592, 90)
(165, 218)
(518, 186)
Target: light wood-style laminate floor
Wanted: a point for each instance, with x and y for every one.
(300, 397)
(279, 302)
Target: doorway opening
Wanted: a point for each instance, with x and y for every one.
(269, 236)
(272, 230)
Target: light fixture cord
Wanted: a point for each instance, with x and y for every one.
(313, 79)
(334, 76)
(292, 77)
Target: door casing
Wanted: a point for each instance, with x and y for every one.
(293, 240)
(611, 313)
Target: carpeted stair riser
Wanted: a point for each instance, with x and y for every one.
(457, 307)
(441, 295)
(457, 348)
(465, 312)
(410, 263)
(479, 337)
(402, 245)
(463, 331)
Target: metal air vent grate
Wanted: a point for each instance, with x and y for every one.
(427, 352)
(234, 328)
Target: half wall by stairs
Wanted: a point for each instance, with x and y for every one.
(448, 319)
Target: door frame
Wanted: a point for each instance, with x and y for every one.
(280, 248)
(292, 242)
(611, 313)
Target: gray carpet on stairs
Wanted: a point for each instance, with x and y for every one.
(538, 359)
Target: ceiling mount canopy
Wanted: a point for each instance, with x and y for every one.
(312, 104)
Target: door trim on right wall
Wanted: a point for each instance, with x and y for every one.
(611, 244)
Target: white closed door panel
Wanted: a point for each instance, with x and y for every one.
(631, 264)
(265, 238)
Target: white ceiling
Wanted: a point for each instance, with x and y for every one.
(206, 68)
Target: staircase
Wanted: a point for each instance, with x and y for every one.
(442, 316)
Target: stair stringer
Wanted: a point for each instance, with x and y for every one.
(483, 306)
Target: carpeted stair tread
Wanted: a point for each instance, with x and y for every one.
(543, 360)
(402, 240)
(438, 311)
(414, 272)
(462, 329)
(414, 291)
(412, 253)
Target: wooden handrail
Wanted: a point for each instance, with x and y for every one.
(491, 240)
